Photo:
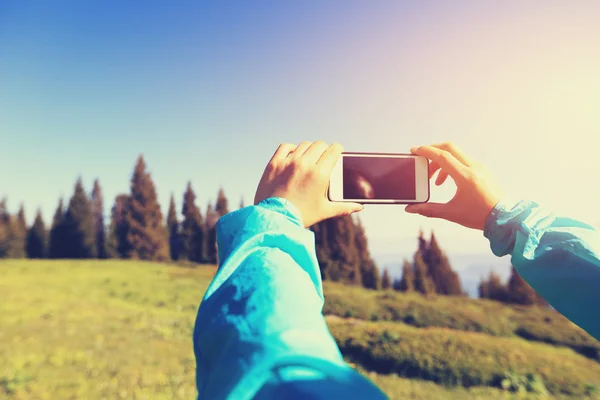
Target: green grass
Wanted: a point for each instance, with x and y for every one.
(122, 330)
(460, 313)
(98, 330)
(455, 358)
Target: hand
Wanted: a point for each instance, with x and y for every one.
(476, 195)
(301, 175)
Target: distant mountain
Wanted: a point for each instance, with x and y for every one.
(470, 267)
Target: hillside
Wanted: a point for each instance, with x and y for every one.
(122, 329)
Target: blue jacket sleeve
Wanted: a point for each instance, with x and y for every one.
(556, 255)
(260, 331)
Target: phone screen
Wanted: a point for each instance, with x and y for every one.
(378, 178)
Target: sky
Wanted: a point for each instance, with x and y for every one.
(206, 91)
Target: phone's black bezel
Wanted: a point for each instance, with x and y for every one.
(394, 201)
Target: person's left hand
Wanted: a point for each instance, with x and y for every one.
(301, 175)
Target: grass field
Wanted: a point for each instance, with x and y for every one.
(122, 330)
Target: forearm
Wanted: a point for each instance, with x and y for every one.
(263, 305)
(559, 257)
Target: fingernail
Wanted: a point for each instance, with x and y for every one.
(413, 149)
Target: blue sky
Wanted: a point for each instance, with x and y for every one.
(206, 91)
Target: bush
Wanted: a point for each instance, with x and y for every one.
(455, 358)
(514, 382)
(460, 313)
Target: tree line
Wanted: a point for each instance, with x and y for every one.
(137, 230)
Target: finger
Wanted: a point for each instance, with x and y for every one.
(282, 152)
(315, 151)
(302, 147)
(330, 157)
(445, 160)
(442, 176)
(342, 209)
(433, 168)
(455, 151)
(431, 210)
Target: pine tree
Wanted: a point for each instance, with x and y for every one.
(57, 244)
(483, 289)
(407, 283)
(117, 244)
(78, 222)
(36, 238)
(386, 280)
(322, 248)
(21, 219)
(212, 217)
(97, 205)
(396, 284)
(422, 245)
(147, 235)
(344, 256)
(193, 240)
(221, 207)
(16, 234)
(4, 220)
(423, 282)
(369, 272)
(446, 281)
(520, 292)
(242, 203)
(496, 289)
(173, 225)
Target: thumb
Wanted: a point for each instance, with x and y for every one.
(342, 209)
(432, 210)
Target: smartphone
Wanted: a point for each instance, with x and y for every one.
(380, 178)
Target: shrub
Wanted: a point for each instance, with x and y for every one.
(460, 313)
(455, 358)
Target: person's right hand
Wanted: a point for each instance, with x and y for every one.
(476, 193)
(301, 175)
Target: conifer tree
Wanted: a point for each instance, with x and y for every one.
(193, 239)
(423, 282)
(520, 292)
(4, 220)
(212, 217)
(345, 260)
(407, 283)
(446, 281)
(222, 204)
(322, 248)
(57, 244)
(369, 272)
(117, 244)
(147, 235)
(396, 284)
(386, 280)
(483, 289)
(173, 225)
(97, 205)
(21, 219)
(496, 289)
(242, 203)
(79, 235)
(422, 245)
(16, 234)
(36, 238)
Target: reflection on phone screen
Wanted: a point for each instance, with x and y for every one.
(384, 178)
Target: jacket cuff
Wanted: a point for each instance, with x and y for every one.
(229, 225)
(283, 206)
(502, 224)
